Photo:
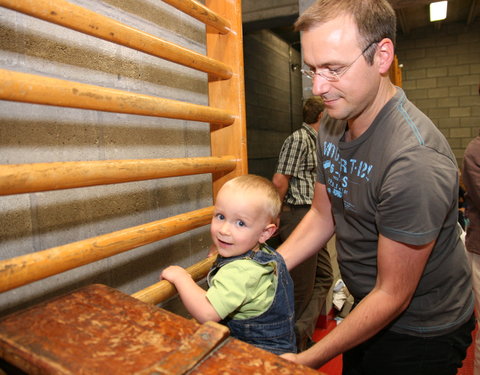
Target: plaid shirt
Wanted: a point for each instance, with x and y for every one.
(298, 159)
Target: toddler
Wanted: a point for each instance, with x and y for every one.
(249, 287)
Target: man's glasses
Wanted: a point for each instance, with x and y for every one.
(333, 75)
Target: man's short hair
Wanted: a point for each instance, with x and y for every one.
(375, 19)
(311, 109)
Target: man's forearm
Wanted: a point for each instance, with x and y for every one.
(310, 235)
(373, 314)
(399, 269)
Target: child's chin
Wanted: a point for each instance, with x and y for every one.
(227, 252)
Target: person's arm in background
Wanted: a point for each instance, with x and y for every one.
(471, 174)
(281, 182)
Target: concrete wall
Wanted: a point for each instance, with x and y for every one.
(273, 95)
(441, 74)
(254, 10)
(34, 133)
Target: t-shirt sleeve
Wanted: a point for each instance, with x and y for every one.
(416, 196)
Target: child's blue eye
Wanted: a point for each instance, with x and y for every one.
(241, 223)
(220, 216)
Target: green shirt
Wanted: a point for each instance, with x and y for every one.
(242, 289)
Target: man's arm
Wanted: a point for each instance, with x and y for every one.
(281, 182)
(400, 267)
(193, 296)
(312, 233)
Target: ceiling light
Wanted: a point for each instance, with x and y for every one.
(438, 11)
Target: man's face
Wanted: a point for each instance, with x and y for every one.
(334, 45)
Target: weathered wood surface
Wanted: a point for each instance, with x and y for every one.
(236, 357)
(99, 330)
(95, 330)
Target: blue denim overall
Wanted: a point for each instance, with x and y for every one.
(273, 330)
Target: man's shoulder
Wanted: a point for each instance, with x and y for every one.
(298, 135)
(304, 132)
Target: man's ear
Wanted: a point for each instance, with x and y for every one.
(267, 232)
(385, 55)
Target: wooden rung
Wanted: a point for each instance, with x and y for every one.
(72, 16)
(164, 289)
(28, 268)
(28, 178)
(31, 88)
(201, 13)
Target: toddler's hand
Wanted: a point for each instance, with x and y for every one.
(173, 273)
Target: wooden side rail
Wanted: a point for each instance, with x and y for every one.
(201, 13)
(31, 88)
(28, 268)
(28, 178)
(228, 140)
(77, 18)
(163, 290)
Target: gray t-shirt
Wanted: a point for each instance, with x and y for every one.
(398, 179)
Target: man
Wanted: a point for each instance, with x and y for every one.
(295, 182)
(387, 186)
(471, 179)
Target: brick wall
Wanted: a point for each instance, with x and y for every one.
(441, 74)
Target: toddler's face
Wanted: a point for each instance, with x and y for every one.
(238, 222)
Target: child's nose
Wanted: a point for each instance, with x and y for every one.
(225, 228)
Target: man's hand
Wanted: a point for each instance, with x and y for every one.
(292, 357)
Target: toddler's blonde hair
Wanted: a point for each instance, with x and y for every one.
(251, 182)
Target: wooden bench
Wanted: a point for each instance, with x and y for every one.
(100, 330)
